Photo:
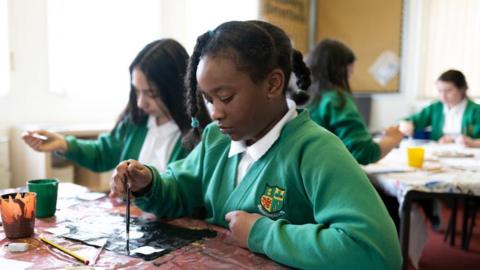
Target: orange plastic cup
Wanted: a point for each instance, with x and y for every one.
(18, 214)
(415, 156)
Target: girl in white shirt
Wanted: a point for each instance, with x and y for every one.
(455, 118)
(153, 125)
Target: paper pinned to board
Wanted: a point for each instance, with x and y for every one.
(385, 68)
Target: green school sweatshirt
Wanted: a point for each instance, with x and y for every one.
(347, 124)
(320, 210)
(122, 143)
(432, 116)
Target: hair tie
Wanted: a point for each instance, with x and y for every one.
(195, 123)
(301, 91)
(210, 33)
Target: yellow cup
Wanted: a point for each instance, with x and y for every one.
(415, 156)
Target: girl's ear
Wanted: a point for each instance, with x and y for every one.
(276, 81)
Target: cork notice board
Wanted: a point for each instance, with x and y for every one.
(369, 28)
(292, 16)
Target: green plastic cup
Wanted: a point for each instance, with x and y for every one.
(47, 190)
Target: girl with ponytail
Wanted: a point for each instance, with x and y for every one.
(333, 107)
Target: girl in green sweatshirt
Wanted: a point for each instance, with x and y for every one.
(455, 118)
(333, 107)
(151, 126)
(284, 186)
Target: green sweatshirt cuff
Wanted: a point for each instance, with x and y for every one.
(72, 147)
(144, 200)
(258, 233)
(155, 185)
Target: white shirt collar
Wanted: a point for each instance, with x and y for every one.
(259, 148)
(159, 143)
(166, 128)
(151, 122)
(460, 107)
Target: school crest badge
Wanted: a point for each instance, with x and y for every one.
(272, 201)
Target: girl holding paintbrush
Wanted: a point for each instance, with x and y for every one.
(264, 169)
(153, 128)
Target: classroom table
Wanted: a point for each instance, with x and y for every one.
(209, 253)
(449, 172)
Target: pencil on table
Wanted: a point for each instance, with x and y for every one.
(64, 250)
(100, 249)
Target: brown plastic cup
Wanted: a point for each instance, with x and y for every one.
(18, 214)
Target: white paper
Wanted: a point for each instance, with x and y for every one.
(133, 235)
(70, 190)
(385, 67)
(63, 203)
(58, 230)
(99, 242)
(91, 196)
(14, 264)
(136, 235)
(147, 250)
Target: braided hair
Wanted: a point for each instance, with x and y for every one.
(195, 105)
(289, 59)
(256, 47)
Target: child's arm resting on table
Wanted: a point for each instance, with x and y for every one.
(352, 229)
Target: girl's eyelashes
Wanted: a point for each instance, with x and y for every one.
(150, 93)
(223, 99)
(147, 93)
(226, 99)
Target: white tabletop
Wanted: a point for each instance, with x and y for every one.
(447, 168)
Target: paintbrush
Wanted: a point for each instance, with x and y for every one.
(127, 215)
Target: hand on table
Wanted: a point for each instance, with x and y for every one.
(467, 141)
(445, 139)
(240, 223)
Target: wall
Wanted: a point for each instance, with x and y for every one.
(292, 16)
(369, 28)
(29, 100)
(389, 108)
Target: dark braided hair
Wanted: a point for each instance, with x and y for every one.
(256, 47)
(289, 59)
(328, 63)
(303, 78)
(195, 108)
